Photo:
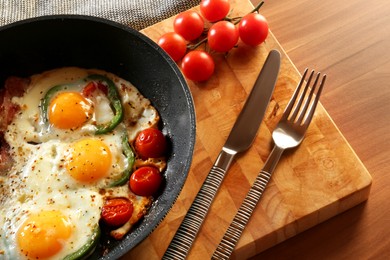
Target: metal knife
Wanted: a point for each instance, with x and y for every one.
(240, 139)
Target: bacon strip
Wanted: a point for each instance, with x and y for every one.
(14, 86)
(5, 158)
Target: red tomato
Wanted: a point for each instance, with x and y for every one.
(197, 65)
(173, 44)
(145, 181)
(116, 212)
(223, 36)
(253, 29)
(150, 143)
(92, 86)
(188, 24)
(214, 10)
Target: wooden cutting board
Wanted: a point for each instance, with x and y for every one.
(318, 180)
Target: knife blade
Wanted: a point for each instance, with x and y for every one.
(239, 140)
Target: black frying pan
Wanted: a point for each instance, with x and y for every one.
(39, 44)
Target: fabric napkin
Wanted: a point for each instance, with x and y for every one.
(137, 14)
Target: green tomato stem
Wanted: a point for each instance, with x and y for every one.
(257, 7)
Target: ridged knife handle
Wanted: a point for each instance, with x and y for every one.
(189, 228)
(237, 226)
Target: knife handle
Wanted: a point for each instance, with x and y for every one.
(237, 226)
(189, 228)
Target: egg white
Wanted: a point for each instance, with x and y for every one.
(39, 181)
(82, 207)
(44, 184)
(138, 111)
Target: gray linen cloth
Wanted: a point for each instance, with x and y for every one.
(137, 14)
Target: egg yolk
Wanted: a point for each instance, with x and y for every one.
(89, 160)
(69, 110)
(43, 235)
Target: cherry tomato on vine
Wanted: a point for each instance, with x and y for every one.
(188, 24)
(222, 36)
(116, 212)
(145, 181)
(214, 10)
(174, 44)
(198, 65)
(150, 143)
(253, 29)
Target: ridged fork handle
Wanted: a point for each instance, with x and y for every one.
(189, 228)
(237, 226)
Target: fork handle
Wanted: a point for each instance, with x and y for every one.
(237, 226)
(188, 230)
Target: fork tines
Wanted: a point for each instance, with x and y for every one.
(305, 113)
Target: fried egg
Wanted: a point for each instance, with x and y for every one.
(58, 183)
(61, 222)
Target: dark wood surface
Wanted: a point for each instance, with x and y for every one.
(350, 41)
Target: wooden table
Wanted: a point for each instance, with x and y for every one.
(326, 36)
(350, 41)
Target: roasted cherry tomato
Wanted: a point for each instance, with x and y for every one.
(150, 143)
(223, 36)
(174, 44)
(92, 86)
(198, 65)
(116, 212)
(188, 24)
(214, 10)
(145, 181)
(253, 29)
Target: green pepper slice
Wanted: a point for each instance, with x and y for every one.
(45, 102)
(115, 103)
(87, 248)
(112, 95)
(130, 162)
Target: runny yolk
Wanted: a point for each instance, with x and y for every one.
(42, 235)
(89, 160)
(69, 110)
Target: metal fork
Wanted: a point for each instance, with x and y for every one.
(289, 133)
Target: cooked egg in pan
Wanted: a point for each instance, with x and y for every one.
(66, 154)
